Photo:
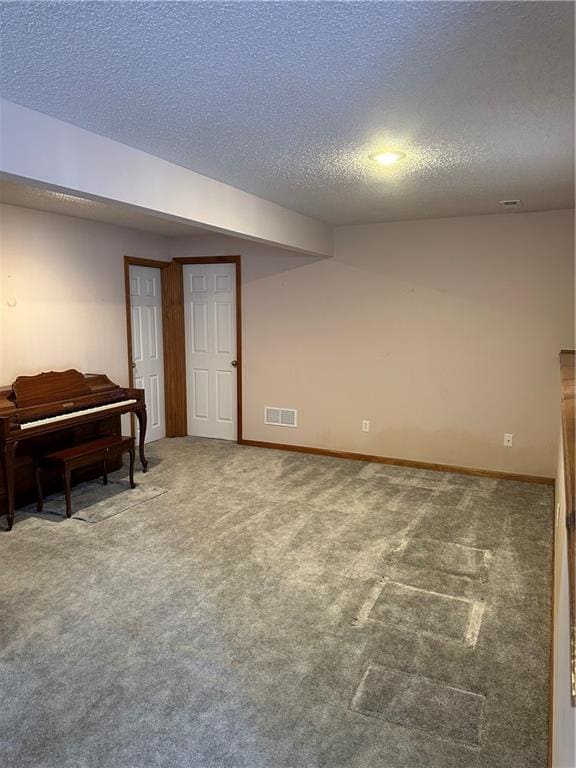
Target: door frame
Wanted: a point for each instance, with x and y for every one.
(162, 265)
(237, 261)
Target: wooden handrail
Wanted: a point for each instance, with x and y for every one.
(568, 382)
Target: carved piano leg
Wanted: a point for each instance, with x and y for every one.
(7, 457)
(142, 420)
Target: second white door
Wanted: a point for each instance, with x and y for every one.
(210, 310)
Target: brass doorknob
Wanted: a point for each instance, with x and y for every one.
(234, 363)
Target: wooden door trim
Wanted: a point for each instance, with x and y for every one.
(237, 260)
(137, 262)
(175, 351)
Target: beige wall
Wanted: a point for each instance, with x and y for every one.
(66, 278)
(443, 333)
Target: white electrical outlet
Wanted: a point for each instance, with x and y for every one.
(508, 440)
(366, 426)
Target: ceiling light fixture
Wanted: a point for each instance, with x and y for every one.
(387, 156)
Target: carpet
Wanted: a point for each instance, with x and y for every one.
(281, 610)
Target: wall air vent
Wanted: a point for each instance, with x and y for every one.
(281, 417)
(510, 203)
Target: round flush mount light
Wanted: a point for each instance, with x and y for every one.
(387, 156)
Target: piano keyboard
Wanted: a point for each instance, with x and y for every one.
(72, 414)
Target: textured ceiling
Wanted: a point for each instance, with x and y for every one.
(29, 196)
(286, 99)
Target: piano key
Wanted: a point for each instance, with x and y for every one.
(74, 414)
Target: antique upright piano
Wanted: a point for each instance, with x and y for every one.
(43, 413)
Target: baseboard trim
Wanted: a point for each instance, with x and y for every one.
(400, 462)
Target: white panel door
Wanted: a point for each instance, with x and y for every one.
(210, 309)
(147, 346)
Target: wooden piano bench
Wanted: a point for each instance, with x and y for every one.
(84, 455)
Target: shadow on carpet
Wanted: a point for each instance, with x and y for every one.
(94, 502)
